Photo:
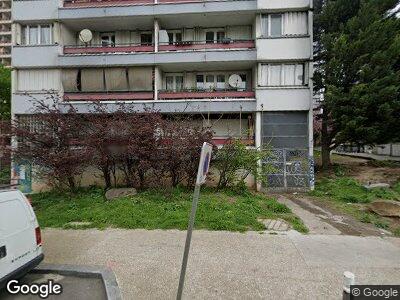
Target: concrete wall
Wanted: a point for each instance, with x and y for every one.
(281, 99)
(286, 48)
(36, 56)
(285, 4)
(35, 10)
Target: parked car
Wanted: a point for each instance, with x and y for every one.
(20, 236)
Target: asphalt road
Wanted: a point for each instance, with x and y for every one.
(225, 265)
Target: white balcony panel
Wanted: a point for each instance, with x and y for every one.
(282, 99)
(170, 106)
(71, 13)
(35, 56)
(157, 58)
(23, 103)
(278, 49)
(283, 4)
(35, 10)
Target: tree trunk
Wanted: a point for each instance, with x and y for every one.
(71, 182)
(107, 176)
(325, 141)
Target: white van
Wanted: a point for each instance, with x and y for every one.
(20, 237)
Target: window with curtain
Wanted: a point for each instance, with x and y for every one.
(286, 24)
(276, 25)
(37, 34)
(282, 75)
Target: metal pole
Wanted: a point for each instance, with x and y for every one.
(196, 196)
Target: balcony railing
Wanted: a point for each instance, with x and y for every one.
(102, 3)
(226, 44)
(97, 3)
(205, 94)
(162, 95)
(120, 48)
(203, 45)
(108, 96)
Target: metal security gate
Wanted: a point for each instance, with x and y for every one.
(291, 169)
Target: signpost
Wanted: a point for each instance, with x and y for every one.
(204, 167)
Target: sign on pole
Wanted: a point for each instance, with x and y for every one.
(204, 167)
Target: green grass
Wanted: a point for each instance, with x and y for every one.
(346, 194)
(156, 209)
(348, 190)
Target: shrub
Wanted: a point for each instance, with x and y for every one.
(235, 162)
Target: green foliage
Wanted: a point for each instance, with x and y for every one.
(357, 55)
(348, 190)
(5, 93)
(160, 209)
(396, 232)
(235, 162)
(5, 174)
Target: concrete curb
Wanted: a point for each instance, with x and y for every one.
(106, 274)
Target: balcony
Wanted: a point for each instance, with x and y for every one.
(100, 3)
(121, 48)
(205, 94)
(108, 96)
(228, 44)
(203, 45)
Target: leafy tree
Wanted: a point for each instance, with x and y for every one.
(5, 93)
(357, 67)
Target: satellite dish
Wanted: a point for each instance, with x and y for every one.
(163, 37)
(85, 36)
(235, 81)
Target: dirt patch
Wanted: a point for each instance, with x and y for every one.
(347, 225)
(363, 170)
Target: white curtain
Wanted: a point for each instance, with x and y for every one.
(263, 75)
(92, 80)
(299, 75)
(295, 23)
(116, 79)
(289, 74)
(274, 75)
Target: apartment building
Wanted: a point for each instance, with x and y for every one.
(242, 67)
(5, 32)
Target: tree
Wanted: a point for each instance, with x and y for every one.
(5, 93)
(357, 68)
(50, 141)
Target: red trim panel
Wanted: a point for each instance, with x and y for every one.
(79, 50)
(203, 95)
(108, 97)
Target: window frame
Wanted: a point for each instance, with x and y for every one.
(265, 71)
(26, 41)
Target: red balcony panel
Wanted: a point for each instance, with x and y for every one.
(99, 49)
(98, 3)
(197, 46)
(206, 95)
(117, 96)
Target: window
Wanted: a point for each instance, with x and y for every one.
(107, 39)
(215, 36)
(290, 23)
(282, 75)
(174, 37)
(276, 25)
(37, 35)
(146, 39)
(220, 36)
(174, 83)
(209, 82)
(210, 37)
(221, 82)
(200, 82)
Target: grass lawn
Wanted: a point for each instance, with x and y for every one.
(347, 195)
(156, 209)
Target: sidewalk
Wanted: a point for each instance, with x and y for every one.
(229, 265)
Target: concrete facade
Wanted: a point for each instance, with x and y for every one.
(5, 32)
(189, 53)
